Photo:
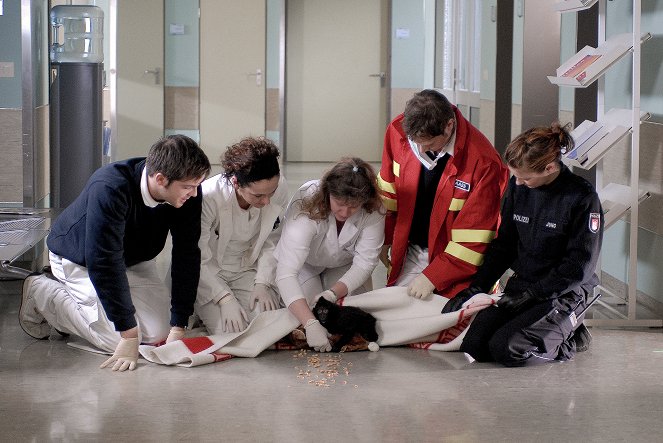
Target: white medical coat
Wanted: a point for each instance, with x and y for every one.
(216, 231)
(316, 243)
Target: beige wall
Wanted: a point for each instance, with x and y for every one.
(11, 167)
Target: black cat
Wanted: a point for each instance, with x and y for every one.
(345, 321)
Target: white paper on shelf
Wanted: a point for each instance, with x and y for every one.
(594, 139)
(610, 51)
(581, 135)
(582, 152)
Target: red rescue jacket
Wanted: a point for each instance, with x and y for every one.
(465, 213)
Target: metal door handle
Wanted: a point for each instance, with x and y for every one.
(156, 72)
(381, 75)
(258, 76)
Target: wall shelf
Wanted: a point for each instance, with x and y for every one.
(590, 63)
(616, 201)
(594, 139)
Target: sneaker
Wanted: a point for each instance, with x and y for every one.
(32, 322)
(582, 338)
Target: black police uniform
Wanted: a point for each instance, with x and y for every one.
(550, 236)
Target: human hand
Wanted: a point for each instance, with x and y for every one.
(125, 355)
(384, 256)
(420, 287)
(176, 333)
(233, 316)
(264, 298)
(456, 303)
(516, 301)
(317, 336)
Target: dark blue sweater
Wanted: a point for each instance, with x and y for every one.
(109, 228)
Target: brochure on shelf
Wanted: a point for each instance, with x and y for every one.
(579, 70)
(594, 139)
(589, 63)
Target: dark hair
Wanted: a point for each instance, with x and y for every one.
(177, 157)
(427, 114)
(537, 147)
(351, 180)
(250, 160)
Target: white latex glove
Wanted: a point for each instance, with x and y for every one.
(327, 295)
(233, 316)
(125, 356)
(176, 333)
(316, 336)
(420, 287)
(266, 299)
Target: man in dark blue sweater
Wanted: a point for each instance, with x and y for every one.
(103, 249)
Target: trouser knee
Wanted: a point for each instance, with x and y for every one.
(509, 351)
(476, 347)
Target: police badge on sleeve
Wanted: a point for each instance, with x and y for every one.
(594, 222)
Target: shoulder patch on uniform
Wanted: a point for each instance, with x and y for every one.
(462, 185)
(594, 222)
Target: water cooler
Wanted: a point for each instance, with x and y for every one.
(76, 126)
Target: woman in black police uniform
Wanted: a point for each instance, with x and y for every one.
(550, 236)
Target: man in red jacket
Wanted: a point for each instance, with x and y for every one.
(441, 181)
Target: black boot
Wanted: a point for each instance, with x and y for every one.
(582, 338)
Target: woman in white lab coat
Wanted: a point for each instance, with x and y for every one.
(332, 236)
(240, 221)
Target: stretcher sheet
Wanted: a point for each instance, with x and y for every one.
(401, 320)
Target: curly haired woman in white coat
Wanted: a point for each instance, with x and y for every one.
(240, 221)
(331, 240)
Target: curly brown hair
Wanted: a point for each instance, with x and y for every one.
(537, 147)
(352, 181)
(250, 160)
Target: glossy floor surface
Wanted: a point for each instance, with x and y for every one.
(50, 391)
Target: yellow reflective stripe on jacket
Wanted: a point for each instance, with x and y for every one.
(390, 204)
(386, 186)
(397, 169)
(463, 253)
(472, 235)
(456, 204)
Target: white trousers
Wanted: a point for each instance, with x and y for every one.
(416, 261)
(314, 280)
(77, 309)
(241, 284)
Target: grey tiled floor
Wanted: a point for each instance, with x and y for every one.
(52, 392)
